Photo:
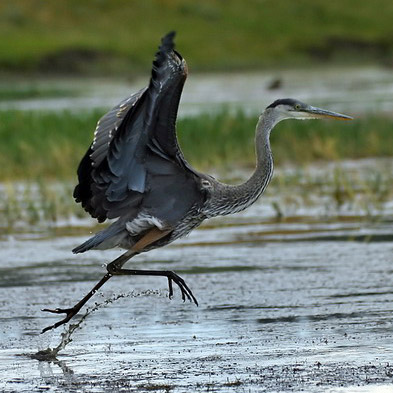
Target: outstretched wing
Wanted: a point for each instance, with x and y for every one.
(108, 125)
(135, 162)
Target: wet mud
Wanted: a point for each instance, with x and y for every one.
(302, 304)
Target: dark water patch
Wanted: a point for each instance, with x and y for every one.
(220, 269)
(228, 307)
(361, 294)
(316, 318)
(295, 236)
(375, 238)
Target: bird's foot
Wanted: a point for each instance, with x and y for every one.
(70, 313)
(185, 291)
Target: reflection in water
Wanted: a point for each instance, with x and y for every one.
(45, 370)
(47, 374)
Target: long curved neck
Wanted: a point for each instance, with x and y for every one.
(227, 199)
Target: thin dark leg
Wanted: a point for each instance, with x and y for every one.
(171, 276)
(114, 268)
(71, 312)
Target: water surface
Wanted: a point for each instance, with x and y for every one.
(347, 89)
(302, 302)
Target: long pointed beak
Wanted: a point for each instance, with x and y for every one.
(318, 113)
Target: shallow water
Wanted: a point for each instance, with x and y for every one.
(354, 90)
(299, 304)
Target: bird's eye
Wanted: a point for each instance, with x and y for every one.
(298, 107)
(206, 183)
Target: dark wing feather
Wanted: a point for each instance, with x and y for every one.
(108, 125)
(106, 129)
(134, 161)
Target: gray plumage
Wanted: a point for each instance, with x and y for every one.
(135, 171)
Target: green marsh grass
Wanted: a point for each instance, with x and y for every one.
(49, 145)
(40, 152)
(73, 36)
(211, 140)
(43, 144)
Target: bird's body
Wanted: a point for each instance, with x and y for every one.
(135, 172)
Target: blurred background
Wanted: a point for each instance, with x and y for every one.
(76, 59)
(320, 239)
(64, 63)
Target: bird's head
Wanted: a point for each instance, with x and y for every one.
(289, 108)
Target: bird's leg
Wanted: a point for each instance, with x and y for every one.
(115, 267)
(170, 275)
(71, 312)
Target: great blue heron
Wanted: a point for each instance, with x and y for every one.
(135, 172)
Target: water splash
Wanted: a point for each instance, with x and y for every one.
(50, 354)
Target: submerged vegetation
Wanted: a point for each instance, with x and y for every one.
(329, 192)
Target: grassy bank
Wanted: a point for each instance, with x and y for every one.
(73, 36)
(50, 144)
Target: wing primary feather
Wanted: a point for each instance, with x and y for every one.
(135, 157)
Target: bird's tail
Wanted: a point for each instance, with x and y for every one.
(108, 238)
